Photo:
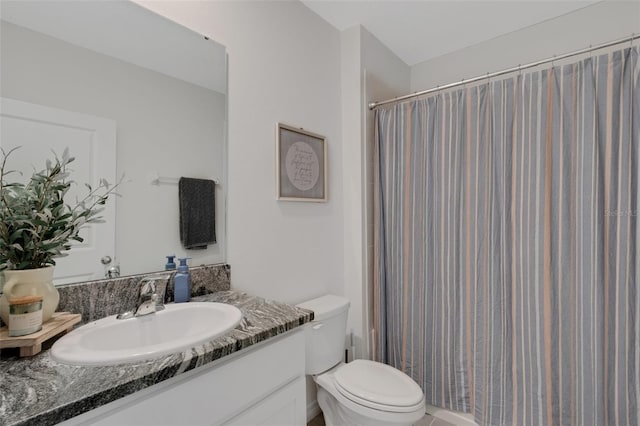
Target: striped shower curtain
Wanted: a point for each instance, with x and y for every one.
(506, 258)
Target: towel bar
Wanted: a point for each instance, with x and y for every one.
(155, 179)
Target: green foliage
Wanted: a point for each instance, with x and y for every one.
(37, 225)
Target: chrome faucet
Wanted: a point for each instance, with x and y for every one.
(149, 302)
(148, 298)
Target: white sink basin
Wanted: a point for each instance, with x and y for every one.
(178, 327)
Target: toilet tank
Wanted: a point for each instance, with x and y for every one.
(325, 335)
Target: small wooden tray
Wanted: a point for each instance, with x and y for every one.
(31, 344)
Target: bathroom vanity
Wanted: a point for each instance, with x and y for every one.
(254, 374)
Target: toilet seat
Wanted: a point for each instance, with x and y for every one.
(387, 414)
(378, 386)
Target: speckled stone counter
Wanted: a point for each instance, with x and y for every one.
(40, 391)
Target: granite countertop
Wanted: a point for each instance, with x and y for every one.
(38, 390)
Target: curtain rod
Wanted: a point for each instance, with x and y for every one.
(373, 105)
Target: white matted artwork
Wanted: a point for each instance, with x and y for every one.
(301, 170)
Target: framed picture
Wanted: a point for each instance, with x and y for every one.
(301, 169)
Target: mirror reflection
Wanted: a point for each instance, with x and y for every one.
(130, 93)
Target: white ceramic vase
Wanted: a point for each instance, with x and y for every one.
(29, 282)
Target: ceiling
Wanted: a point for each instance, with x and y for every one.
(420, 30)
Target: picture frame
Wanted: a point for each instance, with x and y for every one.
(301, 165)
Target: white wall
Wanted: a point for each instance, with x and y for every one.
(352, 148)
(163, 124)
(370, 71)
(284, 66)
(590, 26)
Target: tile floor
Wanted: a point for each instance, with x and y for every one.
(427, 420)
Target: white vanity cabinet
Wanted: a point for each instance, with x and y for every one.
(260, 385)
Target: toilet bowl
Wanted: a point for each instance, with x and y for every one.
(361, 392)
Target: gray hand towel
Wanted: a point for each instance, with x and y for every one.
(197, 212)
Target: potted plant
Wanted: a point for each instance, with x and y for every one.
(37, 226)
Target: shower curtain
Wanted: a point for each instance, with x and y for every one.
(506, 256)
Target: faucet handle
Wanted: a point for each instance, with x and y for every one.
(147, 286)
(148, 291)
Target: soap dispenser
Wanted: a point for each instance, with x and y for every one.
(182, 282)
(171, 264)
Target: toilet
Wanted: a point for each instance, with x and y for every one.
(361, 392)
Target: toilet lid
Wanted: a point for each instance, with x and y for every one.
(373, 382)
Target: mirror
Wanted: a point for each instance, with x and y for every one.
(131, 93)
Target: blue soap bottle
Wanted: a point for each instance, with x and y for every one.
(171, 264)
(182, 282)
